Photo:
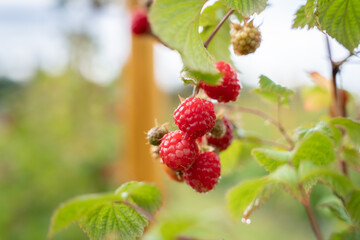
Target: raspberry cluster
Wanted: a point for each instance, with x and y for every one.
(183, 160)
(245, 38)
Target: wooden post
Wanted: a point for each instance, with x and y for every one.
(140, 102)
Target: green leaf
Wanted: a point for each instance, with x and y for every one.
(219, 45)
(341, 20)
(326, 129)
(338, 183)
(247, 196)
(112, 220)
(144, 195)
(351, 156)
(76, 208)
(303, 20)
(317, 148)
(349, 234)
(337, 209)
(123, 214)
(353, 207)
(246, 7)
(273, 92)
(287, 177)
(351, 127)
(176, 23)
(271, 159)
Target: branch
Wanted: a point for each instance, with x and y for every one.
(265, 116)
(207, 42)
(340, 105)
(313, 222)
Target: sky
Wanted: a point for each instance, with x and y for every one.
(32, 36)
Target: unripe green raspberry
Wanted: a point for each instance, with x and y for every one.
(245, 38)
(219, 129)
(155, 135)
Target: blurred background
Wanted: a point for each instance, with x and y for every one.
(78, 92)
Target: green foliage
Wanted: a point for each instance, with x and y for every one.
(338, 18)
(122, 215)
(316, 147)
(353, 207)
(302, 19)
(273, 92)
(287, 177)
(246, 7)
(246, 196)
(176, 23)
(338, 183)
(351, 156)
(351, 127)
(350, 234)
(271, 159)
(336, 207)
(219, 45)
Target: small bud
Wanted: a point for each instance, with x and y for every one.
(155, 135)
(219, 129)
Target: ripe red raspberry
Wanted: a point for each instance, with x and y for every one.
(229, 87)
(195, 116)
(178, 151)
(223, 142)
(204, 173)
(139, 22)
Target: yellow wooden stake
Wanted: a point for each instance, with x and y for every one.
(141, 99)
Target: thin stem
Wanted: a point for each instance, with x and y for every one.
(264, 141)
(313, 222)
(207, 42)
(265, 116)
(334, 71)
(340, 105)
(196, 90)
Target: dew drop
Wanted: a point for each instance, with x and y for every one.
(246, 220)
(124, 194)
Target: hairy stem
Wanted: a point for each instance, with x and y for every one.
(313, 222)
(207, 42)
(340, 105)
(265, 116)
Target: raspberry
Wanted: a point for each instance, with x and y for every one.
(178, 151)
(155, 135)
(223, 142)
(139, 22)
(229, 87)
(204, 173)
(174, 175)
(245, 38)
(195, 116)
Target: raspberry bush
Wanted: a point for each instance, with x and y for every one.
(320, 153)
